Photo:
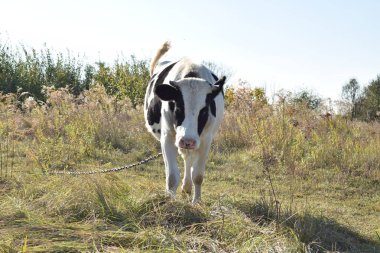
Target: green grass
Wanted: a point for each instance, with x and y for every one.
(270, 186)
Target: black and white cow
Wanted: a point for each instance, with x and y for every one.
(183, 109)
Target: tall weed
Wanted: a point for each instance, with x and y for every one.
(296, 138)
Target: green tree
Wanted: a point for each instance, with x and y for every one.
(372, 99)
(308, 98)
(351, 93)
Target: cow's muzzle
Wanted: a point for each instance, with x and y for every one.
(187, 143)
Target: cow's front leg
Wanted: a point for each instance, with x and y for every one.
(186, 183)
(169, 153)
(198, 170)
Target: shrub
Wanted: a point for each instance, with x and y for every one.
(28, 71)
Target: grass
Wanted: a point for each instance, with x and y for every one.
(279, 179)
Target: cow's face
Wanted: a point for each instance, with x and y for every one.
(191, 100)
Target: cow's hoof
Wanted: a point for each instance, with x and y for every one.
(170, 194)
(196, 201)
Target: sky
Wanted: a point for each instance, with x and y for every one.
(318, 45)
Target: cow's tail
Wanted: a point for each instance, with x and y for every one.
(161, 51)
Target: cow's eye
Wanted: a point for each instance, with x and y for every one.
(179, 116)
(178, 111)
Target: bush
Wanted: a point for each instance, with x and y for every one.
(27, 71)
(125, 79)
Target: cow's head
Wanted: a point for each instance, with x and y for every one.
(192, 101)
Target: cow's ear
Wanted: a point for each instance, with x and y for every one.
(167, 92)
(218, 86)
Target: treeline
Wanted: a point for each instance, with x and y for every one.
(27, 72)
(362, 103)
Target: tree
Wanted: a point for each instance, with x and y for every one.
(218, 69)
(372, 99)
(351, 93)
(307, 98)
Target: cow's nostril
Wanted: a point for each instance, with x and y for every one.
(187, 143)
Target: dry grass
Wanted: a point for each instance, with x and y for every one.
(319, 191)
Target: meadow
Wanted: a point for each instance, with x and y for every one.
(280, 178)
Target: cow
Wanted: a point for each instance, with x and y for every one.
(183, 109)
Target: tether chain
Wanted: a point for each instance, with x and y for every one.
(105, 171)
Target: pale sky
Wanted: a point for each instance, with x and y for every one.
(277, 44)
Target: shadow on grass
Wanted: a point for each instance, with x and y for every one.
(317, 233)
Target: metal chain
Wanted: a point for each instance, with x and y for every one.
(105, 171)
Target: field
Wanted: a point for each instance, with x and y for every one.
(280, 178)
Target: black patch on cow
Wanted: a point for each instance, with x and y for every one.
(211, 102)
(154, 106)
(210, 105)
(213, 108)
(204, 113)
(179, 110)
(173, 95)
(202, 119)
(167, 92)
(154, 111)
(209, 98)
(163, 74)
(171, 106)
(192, 74)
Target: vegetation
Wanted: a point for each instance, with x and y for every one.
(280, 177)
(28, 72)
(307, 98)
(125, 79)
(350, 92)
(365, 104)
